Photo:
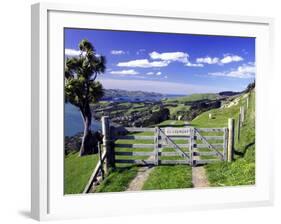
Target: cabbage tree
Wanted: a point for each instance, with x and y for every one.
(82, 89)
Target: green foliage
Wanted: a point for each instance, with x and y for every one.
(85, 45)
(250, 86)
(80, 74)
(169, 177)
(179, 109)
(157, 116)
(77, 171)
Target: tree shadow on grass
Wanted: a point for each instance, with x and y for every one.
(241, 153)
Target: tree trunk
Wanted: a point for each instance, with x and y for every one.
(87, 140)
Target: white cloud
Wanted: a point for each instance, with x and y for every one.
(225, 60)
(175, 56)
(72, 52)
(245, 71)
(75, 53)
(143, 63)
(154, 73)
(170, 56)
(208, 60)
(117, 52)
(164, 59)
(189, 64)
(231, 58)
(124, 72)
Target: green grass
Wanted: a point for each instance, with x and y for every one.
(245, 147)
(242, 170)
(194, 97)
(171, 123)
(169, 177)
(132, 109)
(104, 103)
(219, 117)
(77, 171)
(125, 104)
(118, 179)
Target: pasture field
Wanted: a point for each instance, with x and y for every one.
(239, 172)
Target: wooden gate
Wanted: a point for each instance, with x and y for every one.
(209, 145)
(155, 146)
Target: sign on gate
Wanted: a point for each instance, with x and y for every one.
(177, 131)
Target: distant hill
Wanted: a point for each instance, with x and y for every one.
(118, 94)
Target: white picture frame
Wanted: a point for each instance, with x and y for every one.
(48, 201)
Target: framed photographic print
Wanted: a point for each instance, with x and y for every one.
(138, 111)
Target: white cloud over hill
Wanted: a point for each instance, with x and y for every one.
(244, 71)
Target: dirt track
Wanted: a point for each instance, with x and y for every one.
(199, 178)
(138, 182)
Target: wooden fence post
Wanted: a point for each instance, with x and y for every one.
(109, 158)
(242, 112)
(225, 143)
(191, 145)
(238, 127)
(156, 146)
(230, 148)
(101, 161)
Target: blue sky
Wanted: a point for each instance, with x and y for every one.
(169, 63)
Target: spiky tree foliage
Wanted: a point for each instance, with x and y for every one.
(250, 86)
(81, 89)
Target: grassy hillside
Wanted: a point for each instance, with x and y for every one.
(178, 106)
(242, 170)
(77, 171)
(219, 117)
(194, 97)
